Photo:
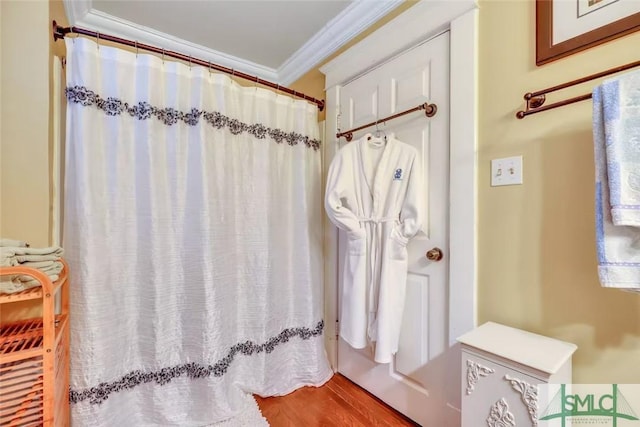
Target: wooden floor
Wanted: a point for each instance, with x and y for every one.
(338, 403)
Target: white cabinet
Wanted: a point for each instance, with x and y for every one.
(501, 370)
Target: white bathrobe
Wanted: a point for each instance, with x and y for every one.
(375, 193)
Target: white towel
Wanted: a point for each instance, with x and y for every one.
(37, 258)
(12, 242)
(17, 253)
(51, 270)
(14, 255)
(622, 138)
(17, 283)
(616, 134)
(9, 285)
(39, 264)
(7, 257)
(18, 250)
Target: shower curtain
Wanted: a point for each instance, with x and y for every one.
(193, 233)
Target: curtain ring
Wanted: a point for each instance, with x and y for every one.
(98, 39)
(277, 89)
(256, 84)
(136, 48)
(209, 67)
(189, 61)
(162, 56)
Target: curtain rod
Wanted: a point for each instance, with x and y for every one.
(535, 100)
(429, 111)
(59, 32)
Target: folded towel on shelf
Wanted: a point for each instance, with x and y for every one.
(36, 258)
(18, 250)
(616, 134)
(7, 257)
(55, 267)
(10, 286)
(39, 264)
(14, 255)
(29, 282)
(52, 270)
(18, 253)
(17, 284)
(12, 242)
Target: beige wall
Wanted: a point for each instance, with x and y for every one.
(24, 112)
(537, 261)
(26, 49)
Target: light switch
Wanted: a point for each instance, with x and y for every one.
(507, 171)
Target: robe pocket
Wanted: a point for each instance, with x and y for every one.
(356, 244)
(396, 249)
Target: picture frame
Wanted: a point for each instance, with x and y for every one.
(576, 25)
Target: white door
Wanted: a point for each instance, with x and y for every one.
(416, 382)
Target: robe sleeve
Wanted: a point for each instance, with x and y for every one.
(336, 192)
(412, 212)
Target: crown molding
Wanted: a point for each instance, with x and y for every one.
(354, 19)
(103, 22)
(76, 10)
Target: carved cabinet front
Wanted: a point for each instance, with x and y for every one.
(502, 371)
(497, 395)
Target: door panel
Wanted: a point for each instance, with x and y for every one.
(415, 382)
(410, 88)
(361, 104)
(412, 352)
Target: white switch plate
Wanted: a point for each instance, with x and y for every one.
(507, 171)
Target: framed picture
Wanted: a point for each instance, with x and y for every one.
(564, 27)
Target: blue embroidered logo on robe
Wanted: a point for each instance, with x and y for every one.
(397, 176)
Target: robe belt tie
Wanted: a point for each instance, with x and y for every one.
(374, 272)
(377, 220)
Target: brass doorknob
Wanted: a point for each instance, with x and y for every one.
(434, 254)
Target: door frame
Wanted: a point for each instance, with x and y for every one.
(425, 20)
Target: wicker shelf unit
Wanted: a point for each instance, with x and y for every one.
(34, 355)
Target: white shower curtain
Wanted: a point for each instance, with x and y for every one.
(193, 232)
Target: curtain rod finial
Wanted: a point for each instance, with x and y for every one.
(59, 31)
(56, 34)
(430, 110)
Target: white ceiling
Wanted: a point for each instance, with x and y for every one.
(277, 40)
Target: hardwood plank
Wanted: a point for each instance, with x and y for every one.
(337, 403)
(364, 406)
(376, 411)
